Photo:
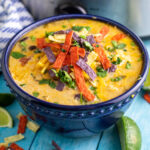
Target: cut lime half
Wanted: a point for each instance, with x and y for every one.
(147, 82)
(129, 133)
(5, 118)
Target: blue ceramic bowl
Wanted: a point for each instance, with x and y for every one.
(75, 121)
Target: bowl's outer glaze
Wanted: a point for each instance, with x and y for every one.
(74, 121)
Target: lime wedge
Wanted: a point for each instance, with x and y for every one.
(129, 133)
(6, 99)
(5, 118)
(147, 82)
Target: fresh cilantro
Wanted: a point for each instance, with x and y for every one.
(124, 50)
(121, 46)
(114, 43)
(33, 38)
(79, 28)
(35, 94)
(110, 49)
(64, 26)
(83, 36)
(22, 84)
(75, 43)
(88, 45)
(52, 84)
(111, 57)
(63, 50)
(116, 79)
(17, 55)
(49, 82)
(132, 44)
(37, 51)
(66, 78)
(97, 45)
(49, 33)
(117, 62)
(23, 45)
(128, 65)
(101, 72)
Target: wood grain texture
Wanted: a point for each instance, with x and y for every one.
(44, 138)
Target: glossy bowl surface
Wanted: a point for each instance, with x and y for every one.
(75, 121)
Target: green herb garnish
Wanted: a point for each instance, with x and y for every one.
(35, 94)
(79, 28)
(97, 45)
(128, 65)
(116, 79)
(101, 72)
(81, 98)
(83, 36)
(66, 78)
(23, 45)
(22, 84)
(33, 38)
(75, 43)
(49, 33)
(37, 51)
(49, 82)
(114, 43)
(111, 57)
(117, 62)
(17, 55)
(63, 50)
(132, 44)
(64, 26)
(121, 46)
(88, 45)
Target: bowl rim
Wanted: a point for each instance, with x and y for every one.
(28, 28)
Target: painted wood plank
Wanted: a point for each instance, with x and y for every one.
(14, 109)
(44, 138)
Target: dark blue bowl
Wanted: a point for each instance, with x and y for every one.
(75, 121)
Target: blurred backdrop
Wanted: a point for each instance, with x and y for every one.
(132, 13)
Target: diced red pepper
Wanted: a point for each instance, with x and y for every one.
(118, 37)
(103, 58)
(81, 52)
(22, 124)
(147, 97)
(81, 83)
(74, 55)
(62, 55)
(14, 146)
(2, 147)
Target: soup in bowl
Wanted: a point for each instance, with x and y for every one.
(79, 72)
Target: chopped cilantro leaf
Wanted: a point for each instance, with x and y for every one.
(63, 50)
(17, 55)
(116, 79)
(121, 46)
(35, 94)
(88, 45)
(101, 72)
(22, 84)
(33, 38)
(49, 33)
(37, 51)
(97, 45)
(132, 44)
(128, 65)
(79, 28)
(117, 62)
(64, 26)
(75, 43)
(23, 45)
(114, 43)
(83, 36)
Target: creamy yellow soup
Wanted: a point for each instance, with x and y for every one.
(29, 65)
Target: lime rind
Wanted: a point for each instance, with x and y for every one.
(129, 133)
(5, 118)
(147, 82)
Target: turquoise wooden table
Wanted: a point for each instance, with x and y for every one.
(107, 140)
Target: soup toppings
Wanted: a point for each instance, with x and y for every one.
(82, 62)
